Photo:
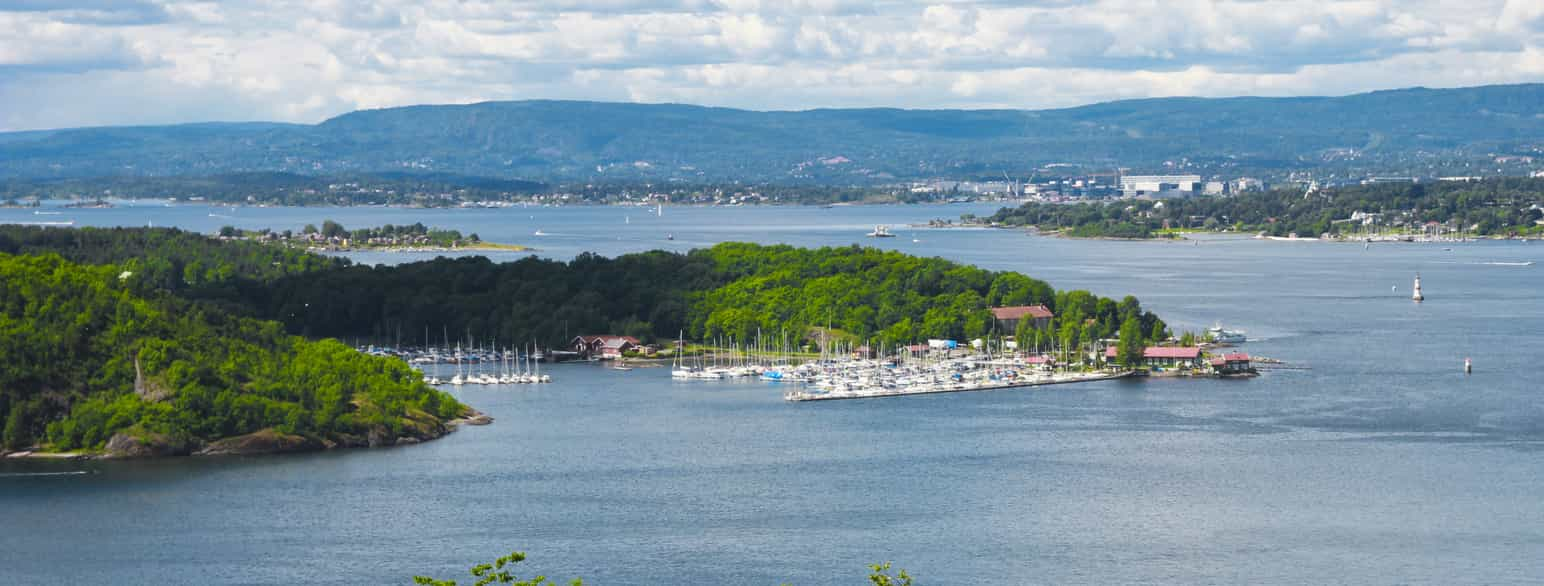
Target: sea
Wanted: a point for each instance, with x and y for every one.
(1369, 457)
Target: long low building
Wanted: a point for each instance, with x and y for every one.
(1008, 317)
(1164, 356)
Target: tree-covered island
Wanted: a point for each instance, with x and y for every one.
(333, 236)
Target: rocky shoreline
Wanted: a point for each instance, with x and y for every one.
(124, 445)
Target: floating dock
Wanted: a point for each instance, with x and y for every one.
(953, 387)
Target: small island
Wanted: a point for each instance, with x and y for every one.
(333, 237)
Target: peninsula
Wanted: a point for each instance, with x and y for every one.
(1453, 209)
(144, 341)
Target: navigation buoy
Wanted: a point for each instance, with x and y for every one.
(1417, 296)
(1468, 366)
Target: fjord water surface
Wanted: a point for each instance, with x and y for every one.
(1379, 463)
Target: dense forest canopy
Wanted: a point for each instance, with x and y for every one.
(1496, 207)
(168, 258)
(93, 351)
(732, 289)
(729, 290)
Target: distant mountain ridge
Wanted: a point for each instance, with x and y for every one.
(1387, 131)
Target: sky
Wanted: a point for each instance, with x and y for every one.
(70, 63)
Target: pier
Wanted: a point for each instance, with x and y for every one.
(870, 392)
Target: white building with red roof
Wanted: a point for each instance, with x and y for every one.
(605, 347)
(1008, 317)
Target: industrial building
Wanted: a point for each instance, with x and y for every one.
(1160, 186)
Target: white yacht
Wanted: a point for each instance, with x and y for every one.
(1223, 336)
(881, 231)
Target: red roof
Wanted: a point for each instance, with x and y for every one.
(608, 340)
(1180, 352)
(1019, 311)
(1236, 357)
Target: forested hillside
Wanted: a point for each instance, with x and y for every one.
(731, 289)
(1442, 131)
(94, 352)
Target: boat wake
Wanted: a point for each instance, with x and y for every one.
(1491, 263)
(30, 474)
(64, 223)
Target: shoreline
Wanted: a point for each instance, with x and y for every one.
(261, 442)
(1186, 236)
(485, 247)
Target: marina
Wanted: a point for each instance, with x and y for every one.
(883, 384)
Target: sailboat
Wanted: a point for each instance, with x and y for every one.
(678, 367)
(458, 380)
(536, 355)
(539, 232)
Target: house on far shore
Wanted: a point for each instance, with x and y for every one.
(1039, 362)
(1163, 356)
(1008, 317)
(603, 347)
(1232, 363)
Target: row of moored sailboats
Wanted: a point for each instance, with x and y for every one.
(513, 368)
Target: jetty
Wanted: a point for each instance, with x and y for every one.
(991, 383)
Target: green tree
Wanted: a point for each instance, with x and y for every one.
(879, 575)
(1069, 336)
(1129, 347)
(498, 572)
(1024, 334)
(333, 229)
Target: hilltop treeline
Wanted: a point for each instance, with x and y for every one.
(731, 289)
(1496, 207)
(1443, 131)
(169, 259)
(90, 352)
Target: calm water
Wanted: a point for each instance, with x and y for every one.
(1382, 463)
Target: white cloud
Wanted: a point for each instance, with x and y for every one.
(86, 62)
